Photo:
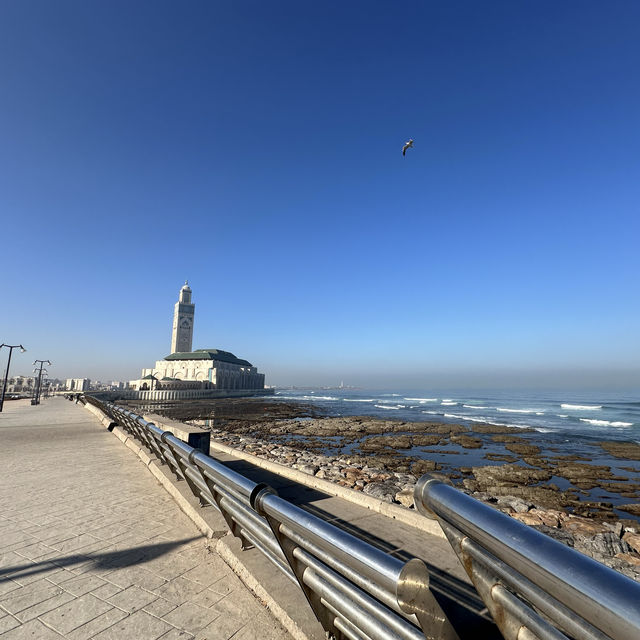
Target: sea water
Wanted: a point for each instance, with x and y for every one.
(605, 415)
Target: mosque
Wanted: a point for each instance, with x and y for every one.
(202, 369)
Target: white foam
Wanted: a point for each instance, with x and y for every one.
(562, 415)
(536, 411)
(352, 400)
(319, 398)
(382, 406)
(432, 413)
(449, 403)
(422, 400)
(474, 406)
(606, 423)
(581, 407)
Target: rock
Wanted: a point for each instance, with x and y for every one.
(310, 469)
(583, 526)
(633, 540)
(548, 517)
(527, 518)
(426, 441)
(467, 441)
(501, 457)
(517, 504)
(522, 449)
(420, 467)
(630, 508)
(628, 450)
(405, 498)
(509, 475)
(383, 490)
(600, 546)
(630, 558)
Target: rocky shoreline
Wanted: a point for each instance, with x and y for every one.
(384, 459)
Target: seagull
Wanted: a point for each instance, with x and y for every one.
(407, 145)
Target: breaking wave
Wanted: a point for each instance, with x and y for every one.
(579, 407)
(422, 400)
(474, 406)
(536, 411)
(606, 423)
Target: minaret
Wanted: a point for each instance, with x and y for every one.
(182, 334)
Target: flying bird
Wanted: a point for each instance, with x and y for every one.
(407, 145)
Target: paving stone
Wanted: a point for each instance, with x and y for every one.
(139, 625)
(102, 622)
(33, 630)
(132, 599)
(191, 617)
(106, 591)
(177, 634)
(223, 628)
(160, 607)
(180, 590)
(25, 597)
(75, 613)
(43, 607)
(79, 585)
(7, 622)
(77, 556)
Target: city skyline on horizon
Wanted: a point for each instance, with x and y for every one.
(257, 152)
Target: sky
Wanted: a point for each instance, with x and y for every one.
(254, 148)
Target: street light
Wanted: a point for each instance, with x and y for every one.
(11, 347)
(36, 391)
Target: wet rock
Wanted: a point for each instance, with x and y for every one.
(509, 475)
(630, 508)
(522, 449)
(426, 440)
(500, 457)
(466, 441)
(628, 450)
(420, 467)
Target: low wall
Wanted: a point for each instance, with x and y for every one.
(167, 395)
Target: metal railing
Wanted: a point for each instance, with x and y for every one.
(534, 586)
(355, 590)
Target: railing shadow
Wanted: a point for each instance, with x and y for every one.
(107, 560)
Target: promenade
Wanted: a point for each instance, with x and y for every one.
(91, 546)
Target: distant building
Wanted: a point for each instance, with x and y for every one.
(20, 384)
(77, 384)
(199, 369)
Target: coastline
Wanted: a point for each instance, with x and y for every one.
(580, 494)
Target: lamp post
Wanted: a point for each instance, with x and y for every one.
(11, 347)
(36, 392)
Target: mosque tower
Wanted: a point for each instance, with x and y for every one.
(182, 334)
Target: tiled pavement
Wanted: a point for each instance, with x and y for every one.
(92, 547)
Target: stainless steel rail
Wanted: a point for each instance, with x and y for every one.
(355, 590)
(534, 586)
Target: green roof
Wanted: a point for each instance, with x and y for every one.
(208, 354)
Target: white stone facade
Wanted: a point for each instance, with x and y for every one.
(202, 369)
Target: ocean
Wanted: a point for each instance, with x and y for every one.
(604, 415)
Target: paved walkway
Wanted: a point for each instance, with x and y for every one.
(92, 547)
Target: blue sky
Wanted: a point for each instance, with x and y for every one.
(254, 148)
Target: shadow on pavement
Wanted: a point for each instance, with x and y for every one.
(107, 560)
